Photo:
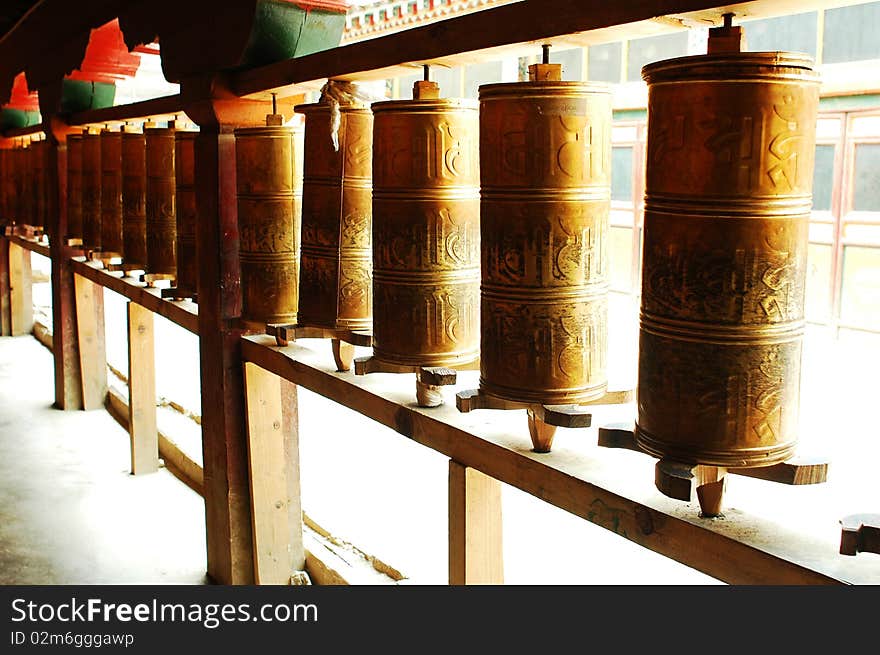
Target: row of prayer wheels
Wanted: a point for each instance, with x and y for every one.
(23, 184)
(459, 235)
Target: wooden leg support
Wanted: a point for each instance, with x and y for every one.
(860, 533)
(21, 301)
(5, 317)
(343, 354)
(273, 462)
(542, 433)
(678, 480)
(142, 391)
(476, 553)
(429, 383)
(92, 347)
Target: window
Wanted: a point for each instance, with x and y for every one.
(823, 177)
(866, 178)
(795, 33)
(851, 33)
(572, 63)
(621, 173)
(604, 62)
(654, 48)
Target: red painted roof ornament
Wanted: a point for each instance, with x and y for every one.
(107, 58)
(21, 98)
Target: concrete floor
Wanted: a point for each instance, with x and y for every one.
(70, 512)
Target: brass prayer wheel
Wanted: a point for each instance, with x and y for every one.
(426, 230)
(268, 223)
(730, 150)
(545, 155)
(161, 202)
(187, 215)
(38, 164)
(74, 186)
(111, 193)
(134, 199)
(91, 190)
(336, 258)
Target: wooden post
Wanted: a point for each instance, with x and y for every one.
(273, 459)
(218, 112)
(476, 554)
(5, 316)
(65, 348)
(142, 391)
(92, 348)
(21, 300)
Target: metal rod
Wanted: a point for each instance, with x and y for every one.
(273, 104)
(728, 19)
(427, 72)
(545, 53)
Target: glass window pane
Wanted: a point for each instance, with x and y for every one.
(860, 296)
(796, 33)
(866, 179)
(572, 63)
(823, 177)
(818, 295)
(851, 33)
(654, 48)
(621, 173)
(620, 259)
(604, 63)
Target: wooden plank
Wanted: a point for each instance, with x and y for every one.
(142, 427)
(504, 30)
(476, 553)
(23, 131)
(161, 108)
(29, 244)
(744, 548)
(92, 347)
(182, 312)
(273, 463)
(5, 316)
(21, 299)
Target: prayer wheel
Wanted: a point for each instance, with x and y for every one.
(187, 215)
(38, 164)
(74, 187)
(161, 203)
(268, 223)
(545, 154)
(335, 262)
(91, 190)
(134, 199)
(23, 179)
(426, 230)
(728, 194)
(111, 193)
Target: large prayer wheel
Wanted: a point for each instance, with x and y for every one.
(74, 186)
(268, 224)
(111, 193)
(134, 199)
(187, 215)
(336, 257)
(38, 164)
(728, 194)
(91, 189)
(161, 202)
(545, 154)
(426, 230)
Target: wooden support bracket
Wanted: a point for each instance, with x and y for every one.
(476, 553)
(21, 301)
(682, 480)
(92, 346)
(429, 379)
(142, 426)
(860, 533)
(342, 342)
(153, 279)
(179, 293)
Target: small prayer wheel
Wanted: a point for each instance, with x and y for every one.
(161, 203)
(730, 150)
(268, 223)
(134, 199)
(74, 187)
(187, 214)
(38, 162)
(91, 189)
(111, 193)
(336, 257)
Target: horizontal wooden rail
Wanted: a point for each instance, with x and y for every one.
(161, 107)
(182, 312)
(506, 29)
(30, 244)
(612, 489)
(23, 131)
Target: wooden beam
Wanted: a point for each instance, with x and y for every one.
(30, 244)
(92, 347)
(597, 486)
(273, 462)
(181, 312)
(142, 391)
(21, 300)
(161, 108)
(476, 553)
